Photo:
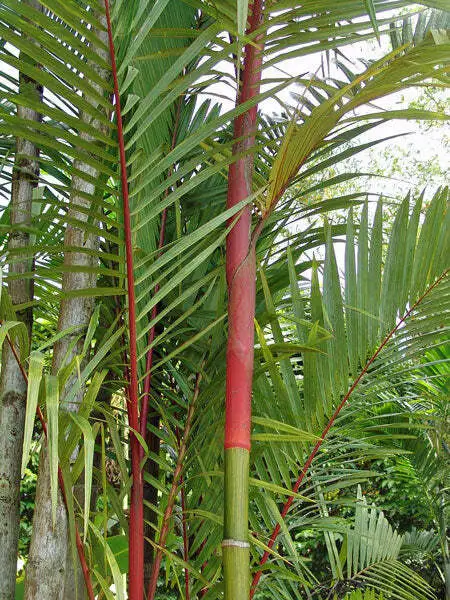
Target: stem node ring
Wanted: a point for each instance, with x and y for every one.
(235, 543)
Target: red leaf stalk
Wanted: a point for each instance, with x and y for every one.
(151, 335)
(78, 541)
(173, 493)
(241, 263)
(336, 413)
(136, 524)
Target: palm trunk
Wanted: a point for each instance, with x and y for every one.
(136, 520)
(13, 388)
(241, 268)
(153, 441)
(49, 572)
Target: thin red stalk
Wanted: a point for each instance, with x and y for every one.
(119, 317)
(336, 413)
(151, 335)
(136, 524)
(118, 310)
(173, 493)
(79, 543)
(241, 262)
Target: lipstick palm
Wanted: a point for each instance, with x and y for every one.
(160, 221)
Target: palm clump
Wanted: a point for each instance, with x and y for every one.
(148, 233)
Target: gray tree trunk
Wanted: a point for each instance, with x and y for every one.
(13, 389)
(50, 574)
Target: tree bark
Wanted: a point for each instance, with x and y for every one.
(13, 388)
(50, 572)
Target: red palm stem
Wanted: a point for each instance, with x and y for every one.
(149, 358)
(151, 335)
(330, 423)
(240, 261)
(136, 524)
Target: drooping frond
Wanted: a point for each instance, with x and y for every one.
(308, 391)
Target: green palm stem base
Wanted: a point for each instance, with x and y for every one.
(235, 546)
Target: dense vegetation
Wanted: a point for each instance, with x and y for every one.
(224, 350)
